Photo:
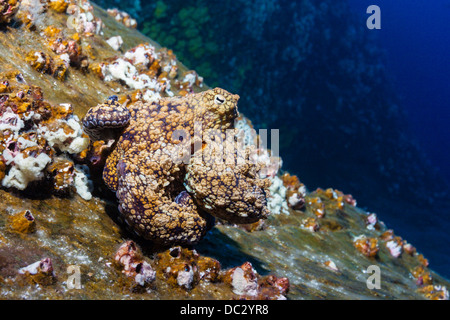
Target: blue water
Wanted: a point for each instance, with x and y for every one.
(416, 39)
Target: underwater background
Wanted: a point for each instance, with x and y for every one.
(364, 111)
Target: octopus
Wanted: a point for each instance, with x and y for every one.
(175, 167)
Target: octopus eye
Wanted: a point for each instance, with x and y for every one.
(219, 99)
(113, 98)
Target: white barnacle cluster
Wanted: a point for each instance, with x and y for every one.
(33, 10)
(129, 257)
(80, 14)
(130, 69)
(115, 42)
(371, 221)
(82, 183)
(44, 266)
(189, 79)
(122, 17)
(125, 71)
(143, 55)
(24, 168)
(82, 19)
(245, 128)
(30, 146)
(276, 202)
(395, 248)
(270, 165)
(185, 278)
(297, 197)
(443, 290)
(65, 135)
(243, 285)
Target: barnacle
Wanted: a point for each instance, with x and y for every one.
(8, 8)
(32, 135)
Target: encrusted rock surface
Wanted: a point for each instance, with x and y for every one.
(62, 244)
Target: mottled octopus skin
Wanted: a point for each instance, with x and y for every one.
(230, 190)
(101, 122)
(156, 197)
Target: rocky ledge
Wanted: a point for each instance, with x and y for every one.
(60, 232)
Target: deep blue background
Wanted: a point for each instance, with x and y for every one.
(416, 37)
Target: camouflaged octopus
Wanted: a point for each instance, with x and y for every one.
(168, 186)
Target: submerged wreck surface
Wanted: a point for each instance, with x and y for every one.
(60, 232)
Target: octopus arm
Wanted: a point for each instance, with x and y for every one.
(153, 214)
(230, 191)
